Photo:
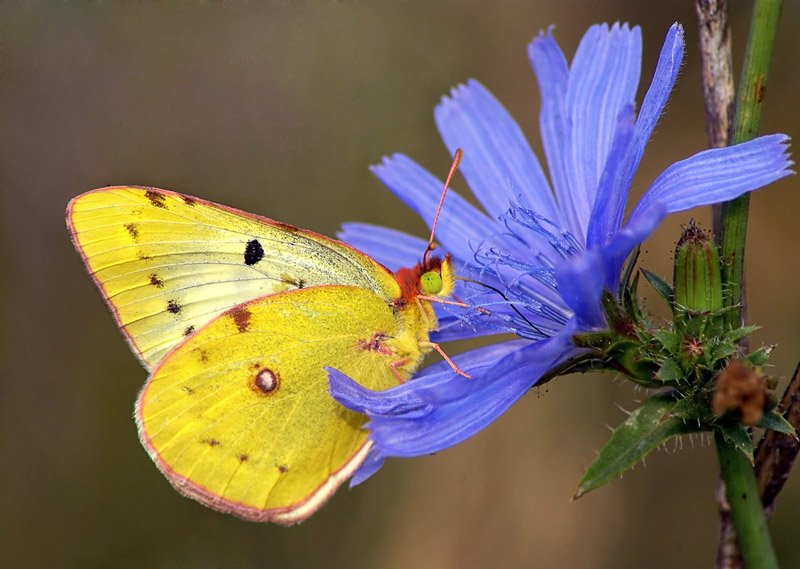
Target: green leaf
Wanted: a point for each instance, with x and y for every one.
(650, 426)
(777, 422)
(662, 287)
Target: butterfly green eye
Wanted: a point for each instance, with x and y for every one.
(431, 282)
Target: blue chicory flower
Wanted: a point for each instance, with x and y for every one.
(545, 251)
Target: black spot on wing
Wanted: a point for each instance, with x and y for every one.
(157, 199)
(188, 331)
(189, 200)
(241, 317)
(156, 281)
(173, 306)
(265, 382)
(253, 252)
(132, 230)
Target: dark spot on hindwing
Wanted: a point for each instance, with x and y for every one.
(173, 306)
(189, 330)
(375, 344)
(132, 230)
(241, 317)
(253, 252)
(243, 457)
(265, 382)
(211, 442)
(301, 283)
(157, 199)
(156, 281)
(188, 390)
(282, 468)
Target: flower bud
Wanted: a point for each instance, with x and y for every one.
(697, 281)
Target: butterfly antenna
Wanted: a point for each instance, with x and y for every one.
(453, 167)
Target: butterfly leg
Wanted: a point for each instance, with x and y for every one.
(446, 358)
(398, 364)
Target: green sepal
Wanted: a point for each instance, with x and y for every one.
(670, 372)
(775, 421)
(661, 286)
(657, 420)
(630, 300)
(738, 435)
(759, 357)
(670, 341)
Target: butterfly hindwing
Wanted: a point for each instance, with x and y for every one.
(239, 416)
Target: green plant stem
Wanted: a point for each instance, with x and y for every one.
(749, 101)
(741, 491)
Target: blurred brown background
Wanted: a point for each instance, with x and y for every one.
(278, 108)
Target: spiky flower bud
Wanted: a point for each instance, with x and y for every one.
(697, 281)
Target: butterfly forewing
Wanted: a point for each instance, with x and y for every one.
(167, 264)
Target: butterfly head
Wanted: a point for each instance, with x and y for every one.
(431, 277)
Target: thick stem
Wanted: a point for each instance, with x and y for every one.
(741, 491)
(749, 102)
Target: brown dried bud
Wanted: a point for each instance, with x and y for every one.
(741, 388)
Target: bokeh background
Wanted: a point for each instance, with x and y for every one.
(279, 108)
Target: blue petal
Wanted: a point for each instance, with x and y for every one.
(552, 75)
(393, 249)
(666, 73)
(581, 282)
(440, 409)
(603, 223)
(718, 175)
(459, 222)
(370, 466)
(624, 241)
(603, 80)
(498, 162)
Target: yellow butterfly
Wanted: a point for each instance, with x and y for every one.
(236, 316)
